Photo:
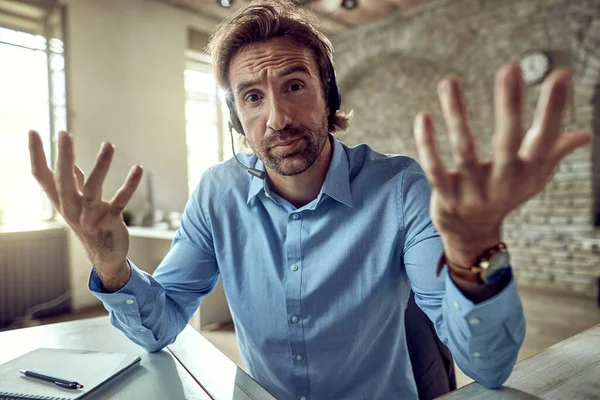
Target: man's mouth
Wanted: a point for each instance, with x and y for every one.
(287, 145)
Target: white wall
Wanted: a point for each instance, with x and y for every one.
(125, 65)
(125, 72)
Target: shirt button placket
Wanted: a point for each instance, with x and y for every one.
(293, 303)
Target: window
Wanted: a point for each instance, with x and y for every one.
(206, 117)
(32, 96)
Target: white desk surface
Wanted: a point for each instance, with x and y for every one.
(568, 370)
(190, 368)
(218, 375)
(159, 375)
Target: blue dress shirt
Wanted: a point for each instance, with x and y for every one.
(318, 293)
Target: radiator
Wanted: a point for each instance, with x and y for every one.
(33, 270)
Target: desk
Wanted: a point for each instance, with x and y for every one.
(191, 368)
(568, 370)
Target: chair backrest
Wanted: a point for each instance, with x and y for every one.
(431, 360)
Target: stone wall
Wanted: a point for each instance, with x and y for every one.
(388, 72)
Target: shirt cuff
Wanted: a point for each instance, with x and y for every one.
(500, 307)
(126, 300)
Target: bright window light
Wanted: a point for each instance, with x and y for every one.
(25, 105)
(205, 115)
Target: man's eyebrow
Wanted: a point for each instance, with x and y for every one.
(245, 85)
(288, 71)
(294, 68)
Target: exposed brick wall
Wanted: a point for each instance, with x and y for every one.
(388, 72)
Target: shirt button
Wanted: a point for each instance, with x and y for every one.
(294, 319)
(129, 301)
(474, 321)
(299, 357)
(456, 305)
(294, 267)
(295, 216)
(477, 354)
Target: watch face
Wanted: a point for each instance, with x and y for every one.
(498, 265)
(499, 260)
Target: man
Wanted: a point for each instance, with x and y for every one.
(319, 258)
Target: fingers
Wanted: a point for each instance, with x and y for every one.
(546, 126)
(79, 178)
(508, 110)
(92, 192)
(566, 143)
(123, 195)
(39, 168)
(459, 131)
(429, 153)
(65, 179)
(92, 210)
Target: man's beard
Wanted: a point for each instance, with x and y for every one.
(303, 157)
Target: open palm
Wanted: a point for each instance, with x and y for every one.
(468, 205)
(98, 223)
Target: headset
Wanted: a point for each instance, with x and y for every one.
(334, 101)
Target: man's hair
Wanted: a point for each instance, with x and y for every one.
(262, 20)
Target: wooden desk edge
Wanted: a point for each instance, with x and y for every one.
(550, 348)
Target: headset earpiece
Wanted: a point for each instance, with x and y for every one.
(334, 98)
(235, 121)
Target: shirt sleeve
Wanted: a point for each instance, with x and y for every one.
(484, 338)
(152, 310)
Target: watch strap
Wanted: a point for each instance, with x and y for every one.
(473, 273)
(468, 274)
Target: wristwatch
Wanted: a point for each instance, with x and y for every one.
(491, 267)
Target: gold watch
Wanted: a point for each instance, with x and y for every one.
(490, 268)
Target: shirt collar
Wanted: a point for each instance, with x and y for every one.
(337, 180)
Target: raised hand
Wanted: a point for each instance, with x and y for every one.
(468, 205)
(98, 223)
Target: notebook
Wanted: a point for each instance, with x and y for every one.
(90, 368)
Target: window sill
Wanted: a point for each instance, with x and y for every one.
(31, 227)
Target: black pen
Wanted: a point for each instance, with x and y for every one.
(57, 381)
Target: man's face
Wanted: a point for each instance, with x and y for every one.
(279, 100)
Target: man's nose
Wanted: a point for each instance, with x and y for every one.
(279, 115)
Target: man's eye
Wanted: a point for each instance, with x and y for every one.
(294, 87)
(252, 98)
